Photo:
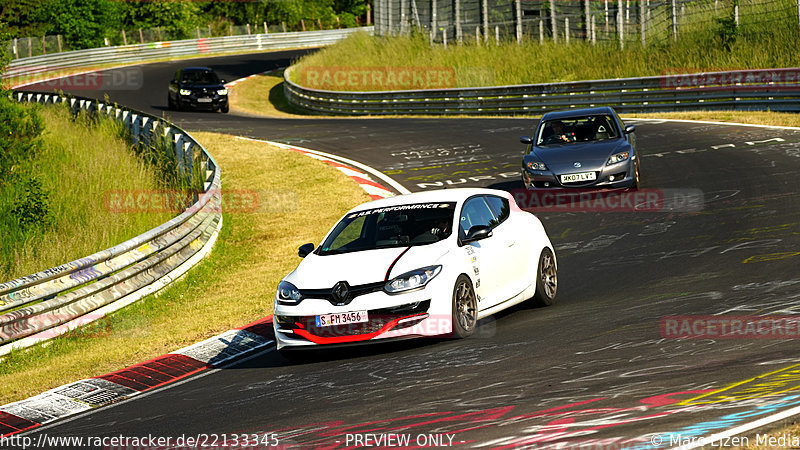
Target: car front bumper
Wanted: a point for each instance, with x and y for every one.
(621, 175)
(204, 102)
(413, 314)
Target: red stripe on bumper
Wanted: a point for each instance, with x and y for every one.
(351, 338)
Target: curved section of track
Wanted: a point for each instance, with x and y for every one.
(592, 369)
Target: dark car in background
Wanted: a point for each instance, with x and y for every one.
(581, 148)
(197, 88)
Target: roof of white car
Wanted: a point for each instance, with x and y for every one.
(441, 195)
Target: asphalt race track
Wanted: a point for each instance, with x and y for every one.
(592, 369)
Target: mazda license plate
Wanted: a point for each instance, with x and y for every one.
(583, 176)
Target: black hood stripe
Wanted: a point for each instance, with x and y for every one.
(395, 262)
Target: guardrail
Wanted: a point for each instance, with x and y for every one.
(160, 50)
(770, 89)
(49, 303)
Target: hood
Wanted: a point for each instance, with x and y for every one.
(370, 266)
(592, 155)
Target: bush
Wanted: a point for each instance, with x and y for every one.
(31, 209)
(21, 193)
(20, 138)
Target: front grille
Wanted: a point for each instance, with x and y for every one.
(354, 291)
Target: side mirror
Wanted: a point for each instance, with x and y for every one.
(630, 129)
(476, 233)
(526, 140)
(305, 249)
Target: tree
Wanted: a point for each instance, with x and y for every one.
(82, 23)
(5, 57)
(23, 18)
(177, 19)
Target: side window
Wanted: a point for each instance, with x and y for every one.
(474, 212)
(500, 208)
(350, 234)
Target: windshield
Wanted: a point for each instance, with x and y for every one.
(198, 77)
(577, 129)
(393, 226)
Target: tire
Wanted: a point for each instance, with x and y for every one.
(170, 104)
(635, 184)
(546, 279)
(225, 108)
(465, 308)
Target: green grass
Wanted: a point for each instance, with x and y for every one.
(262, 95)
(749, 117)
(231, 288)
(765, 39)
(79, 163)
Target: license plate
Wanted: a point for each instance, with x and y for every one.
(573, 177)
(204, 100)
(327, 320)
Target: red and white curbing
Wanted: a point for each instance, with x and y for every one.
(348, 167)
(233, 83)
(375, 190)
(83, 395)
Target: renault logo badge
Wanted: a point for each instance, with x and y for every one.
(341, 292)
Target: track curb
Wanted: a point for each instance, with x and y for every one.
(87, 394)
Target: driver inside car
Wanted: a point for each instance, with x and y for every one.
(559, 133)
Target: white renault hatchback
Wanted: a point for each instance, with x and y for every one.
(423, 264)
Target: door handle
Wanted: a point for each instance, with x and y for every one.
(510, 243)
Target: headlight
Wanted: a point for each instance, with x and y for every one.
(185, 92)
(619, 157)
(222, 92)
(416, 279)
(536, 165)
(288, 294)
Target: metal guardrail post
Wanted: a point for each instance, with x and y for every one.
(643, 22)
(179, 151)
(620, 26)
(135, 128)
(586, 14)
(674, 17)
